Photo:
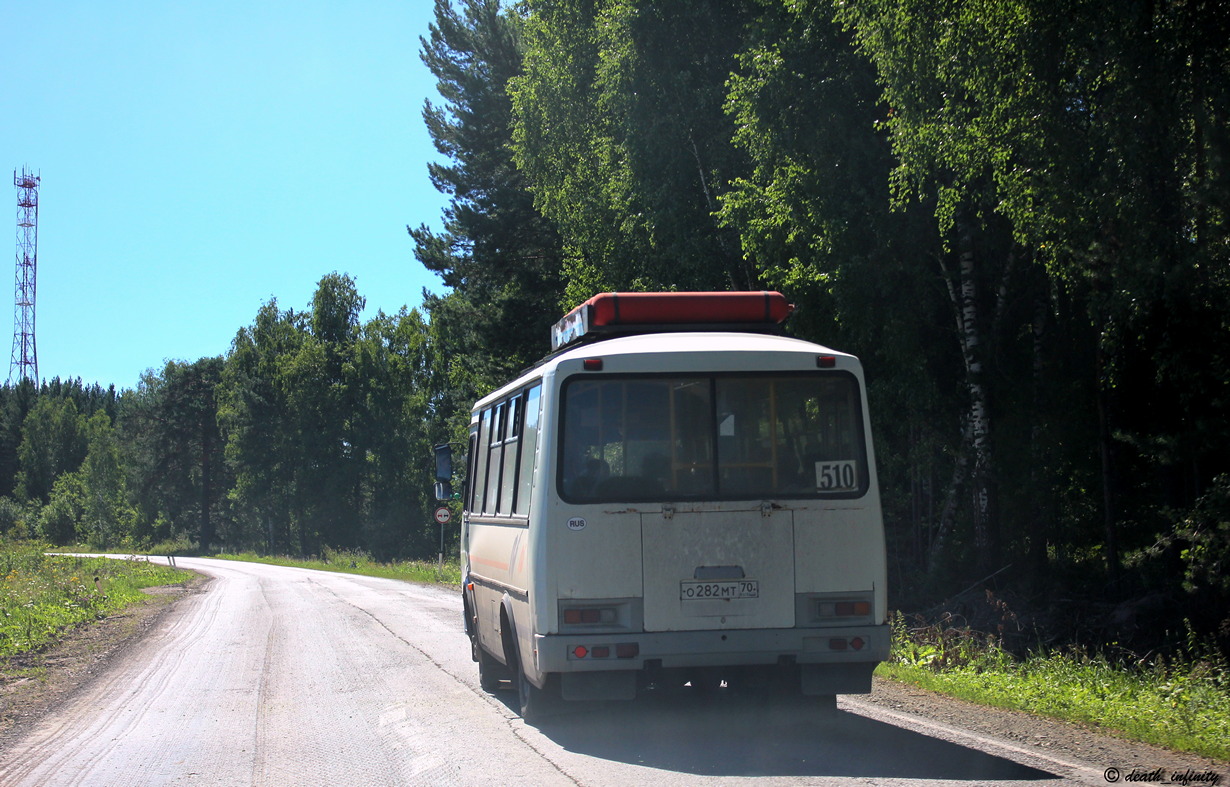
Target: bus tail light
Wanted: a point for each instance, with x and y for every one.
(834, 609)
(623, 650)
(843, 609)
(599, 615)
(590, 616)
(841, 643)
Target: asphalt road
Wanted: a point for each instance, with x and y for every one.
(280, 676)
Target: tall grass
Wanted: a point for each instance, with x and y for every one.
(359, 562)
(42, 595)
(1181, 703)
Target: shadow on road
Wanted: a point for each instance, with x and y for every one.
(746, 736)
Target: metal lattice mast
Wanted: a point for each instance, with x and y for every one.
(24, 364)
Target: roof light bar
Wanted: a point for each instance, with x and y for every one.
(633, 312)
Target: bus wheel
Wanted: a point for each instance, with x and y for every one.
(535, 703)
(490, 671)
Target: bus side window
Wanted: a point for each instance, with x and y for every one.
(495, 455)
(514, 410)
(528, 450)
(481, 457)
(467, 493)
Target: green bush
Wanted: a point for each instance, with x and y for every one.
(11, 516)
(57, 521)
(1181, 702)
(41, 595)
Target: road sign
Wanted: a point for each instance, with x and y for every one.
(443, 515)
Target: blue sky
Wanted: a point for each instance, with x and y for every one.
(199, 159)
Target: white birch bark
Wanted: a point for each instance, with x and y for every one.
(976, 436)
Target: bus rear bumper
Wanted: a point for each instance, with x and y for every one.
(826, 661)
(851, 645)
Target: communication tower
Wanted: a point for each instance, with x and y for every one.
(24, 364)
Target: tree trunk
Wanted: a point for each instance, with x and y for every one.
(207, 525)
(979, 417)
(948, 513)
(1107, 455)
(1039, 486)
(1102, 267)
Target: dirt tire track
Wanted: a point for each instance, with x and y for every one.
(34, 684)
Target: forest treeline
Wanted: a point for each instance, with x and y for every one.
(312, 433)
(1014, 211)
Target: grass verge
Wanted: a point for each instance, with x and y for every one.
(42, 595)
(1181, 704)
(360, 563)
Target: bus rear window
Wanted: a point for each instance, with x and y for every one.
(659, 438)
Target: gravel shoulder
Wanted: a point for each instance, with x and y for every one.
(1042, 736)
(33, 684)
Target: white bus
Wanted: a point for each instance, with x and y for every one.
(677, 495)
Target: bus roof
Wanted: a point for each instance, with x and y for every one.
(695, 342)
(687, 348)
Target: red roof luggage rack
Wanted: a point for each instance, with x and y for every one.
(624, 313)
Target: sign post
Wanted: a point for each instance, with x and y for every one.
(443, 515)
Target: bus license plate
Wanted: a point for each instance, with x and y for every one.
(734, 588)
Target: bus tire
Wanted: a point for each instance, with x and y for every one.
(490, 671)
(534, 703)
